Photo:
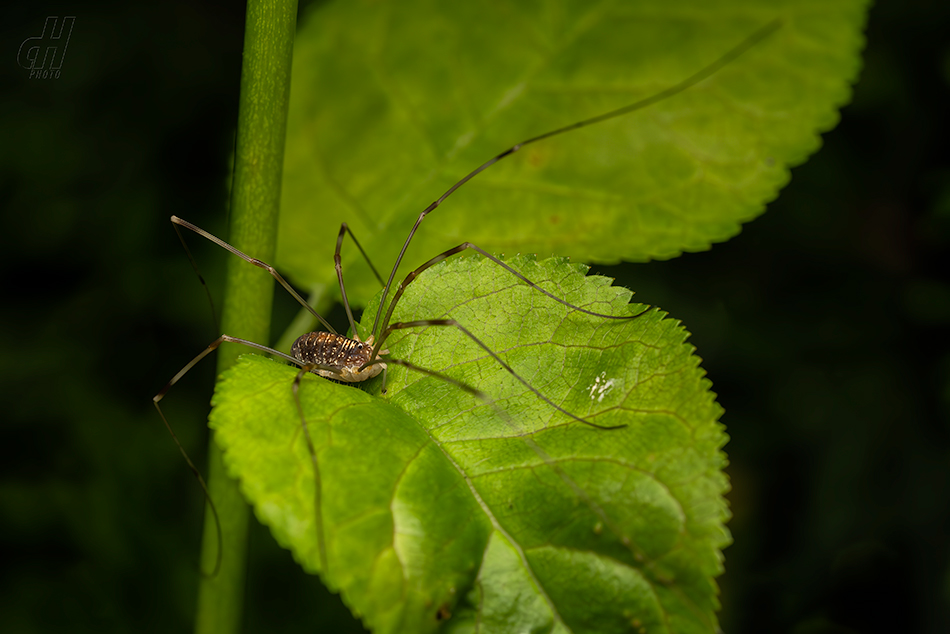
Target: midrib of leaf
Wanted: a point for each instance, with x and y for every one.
(486, 509)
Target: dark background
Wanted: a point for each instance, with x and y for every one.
(823, 327)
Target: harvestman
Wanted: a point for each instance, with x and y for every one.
(350, 360)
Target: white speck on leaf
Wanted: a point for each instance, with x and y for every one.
(601, 387)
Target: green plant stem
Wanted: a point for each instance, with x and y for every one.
(255, 202)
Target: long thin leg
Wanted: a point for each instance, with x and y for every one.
(345, 228)
(194, 266)
(318, 483)
(685, 84)
(338, 265)
(204, 488)
(418, 368)
(494, 355)
(468, 245)
(525, 437)
(258, 263)
(201, 481)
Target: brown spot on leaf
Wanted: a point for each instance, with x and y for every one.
(443, 613)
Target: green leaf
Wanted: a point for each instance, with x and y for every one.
(506, 512)
(392, 103)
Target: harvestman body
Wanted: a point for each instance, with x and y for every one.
(336, 351)
(350, 360)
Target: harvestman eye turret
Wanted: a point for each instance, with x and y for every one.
(350, 360)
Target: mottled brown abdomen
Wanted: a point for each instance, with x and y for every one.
(339, 356)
